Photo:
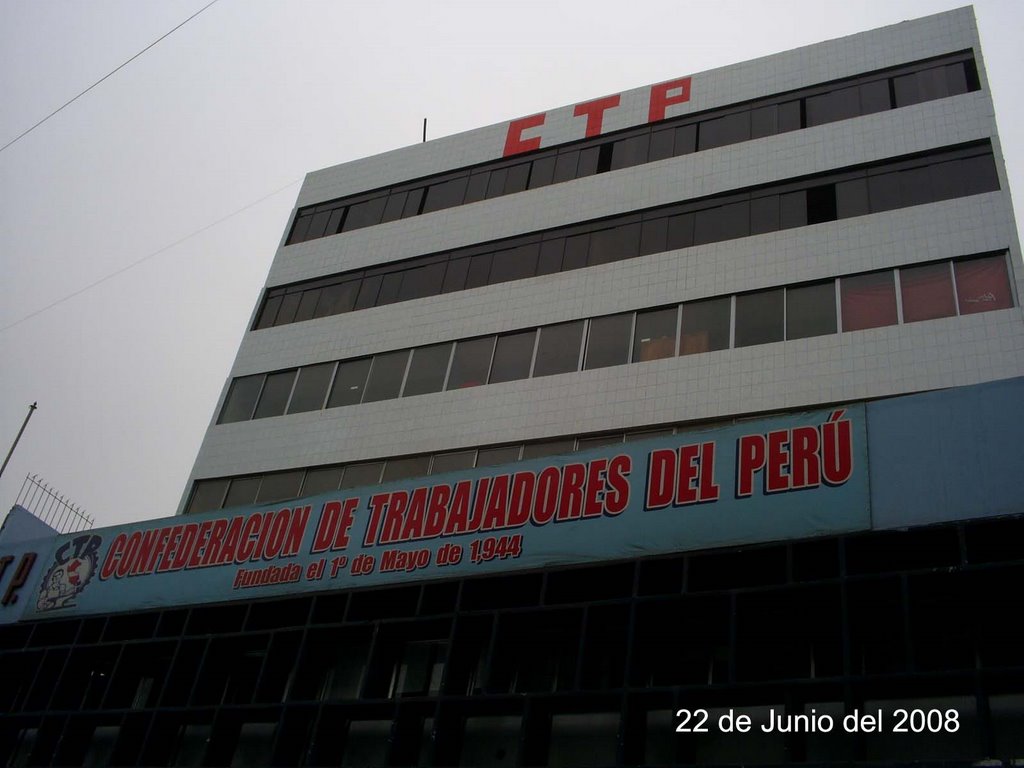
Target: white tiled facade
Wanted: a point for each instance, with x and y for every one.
(769, 377)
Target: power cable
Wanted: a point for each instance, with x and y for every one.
(136, 263)
(133, 58)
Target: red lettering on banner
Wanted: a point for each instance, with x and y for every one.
(392, 529)
(594, 111)
(664, 95)
(413, 528)
(593, 504)
(514, 141)
(113, 558)
(547, 495)
(570, 501)
(750, 453)
(708, 488)
(250, 531)
(189, 533)
(496, 512)
(837, 449)
(776, 474)
(202, 540)
(437, 510)
(377, 504)
(335, 521)
(617, 499)
(459, 514)
(521, 500)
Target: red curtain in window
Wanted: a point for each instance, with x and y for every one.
(869, 301)
(927, 292)
(982, 285)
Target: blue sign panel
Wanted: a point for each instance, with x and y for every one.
(790, 476)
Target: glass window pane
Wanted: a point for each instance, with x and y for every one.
(680, 231)
(269, 312)
(602, 247)
(275, 394)
(542, 171)
(365, 214)
(686, 140)
(982, 285)
(479, 270)
(884, 191)
(550, 260)
(445, 194)
(956, 78)
(558, 350)
(422, 281)
(810, 310)
(335, 299)
(512, 356)
(307, 304)
(907, 90)
(548, 448)
(477, 188)
(608, 341)
(455, 275)
(427, 369)
(394, 206)
(386, 375)
(979, 174)
(655, 335)
(311, 388)
(789, 118)
(631, 151)
(241, 399)
(491, 457)
(597, 441)
(840, 104)
(654, 236)
(368, 290)
(514, 263)
(321, 480)
(821, 204)
(357, 475)
(793, 209)
(661, 144)
(450, 462)
(759, 317)
(647, 434)
(763, 121)
(278, 486)
(318, 225)
(915, 186)
(300, 228)
(411, 466)
(471, 362)
(720, 131)
(705, 326)
(517, 177)
(496, 183)
(575, 255)
(289, 306)
(874, 97)
(413, 203)
(242, 491)
(389, 288)
(588, 162)
(349, 382)
(764, 214)
(868, 301)
(852, 198)
(565, 166)
(207, 495)
(927, 292)
(724, 222)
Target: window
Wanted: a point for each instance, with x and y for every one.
(445, 194)
(759, 317)
(400, 469)
(278, 486)
(386, 375)
(492, 457)
(471, 362)
(450, 462)
(720, 131)
(364, 214)
(927, 292)
(513, 355)
(335, 299)
(608, 341)
(321, 480)
(558, 350)
(724, 222)
(982, 285)
(422, 281)
(311, 388)
(810, 310)
(548, 448)
(357, 475)
(275, 394)
(868, 301)
(514, 263)
(655, 335)
(705, 326)
(207, 496)
(349, 382)
(242, 491)
(427, 369)
(241, 399)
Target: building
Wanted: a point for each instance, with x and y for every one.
(730, 365)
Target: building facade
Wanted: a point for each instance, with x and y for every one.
(676, 426)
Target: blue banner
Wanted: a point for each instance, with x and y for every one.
(796, 475)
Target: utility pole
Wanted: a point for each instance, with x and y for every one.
(24, 424)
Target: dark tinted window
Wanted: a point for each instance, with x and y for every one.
(759, 317)
(400, 469)
(241, 399)
(515, 263)
(445, 194)
(608, 341)
(357, 475)
(550, 260)
(654, 236)
(386, 375)
(512, 356)
(242, 491)
(542, 171)
(680, 231)
(565, 166)
(655, 335)
(720, 131)
(558, 350)
(349, 382)
(724, 222)
(705, 326)
(927, 292)
(575, 255)
(275, 394)
(207, 495)
(810, 310)
(840, 104)
(631, 151)
(868, 301)
(422, 281)
(852, 198)
(471, 362)
(364, 214)
(269, 312)
(289, 306)
(427, 369)
(338, 298)
(311, 388)
(492, 457)
(764, 214)
(450, 462)
(321, 480)
(278, 486)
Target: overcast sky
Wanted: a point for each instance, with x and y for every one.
(229, 113)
